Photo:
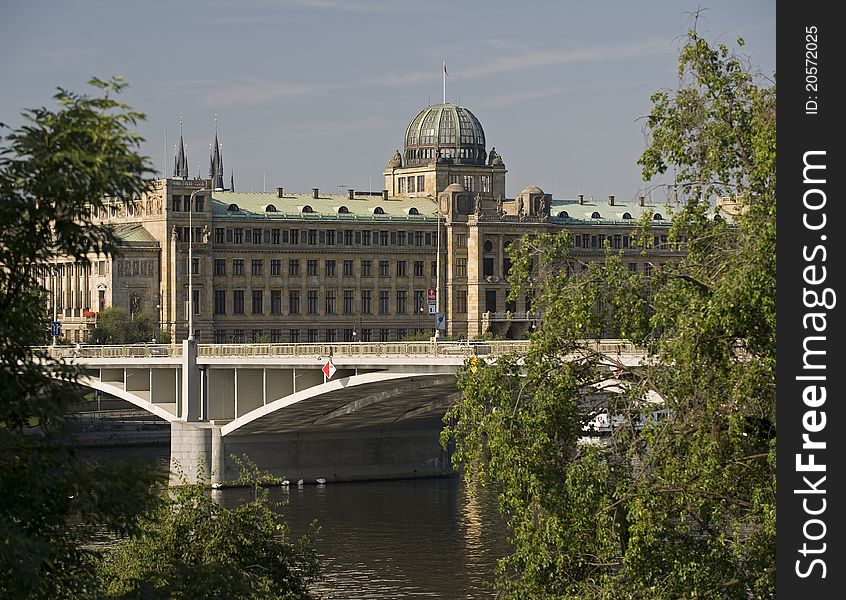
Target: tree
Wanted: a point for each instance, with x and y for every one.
(115, 327)
(54, 171)
(679, 501)
(191, 547)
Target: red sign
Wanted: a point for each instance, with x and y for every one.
(433, 294)
(329, 369)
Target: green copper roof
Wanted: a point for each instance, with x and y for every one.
(593, 211)
(133, 232)
(252, 205)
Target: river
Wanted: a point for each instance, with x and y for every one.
(423, 538)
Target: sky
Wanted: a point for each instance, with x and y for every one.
(318, 93)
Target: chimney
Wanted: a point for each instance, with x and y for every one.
(611, 199)
(384, 194)
(641, 200)
(315, 193)
(581, 198)
(351, 193)
(279, 192)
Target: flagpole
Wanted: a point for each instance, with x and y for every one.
(444, 77)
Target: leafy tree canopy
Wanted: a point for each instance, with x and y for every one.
(678, 501)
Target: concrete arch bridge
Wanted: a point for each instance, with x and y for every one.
(377, 416)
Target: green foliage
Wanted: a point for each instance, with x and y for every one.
(191, 547)
(678, 507)
(114, 326)
(53, 170)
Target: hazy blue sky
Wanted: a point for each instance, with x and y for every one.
(317, 93)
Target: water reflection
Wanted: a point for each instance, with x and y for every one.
(425, 538)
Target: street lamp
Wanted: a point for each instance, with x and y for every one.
(191, 263)
(356, 332)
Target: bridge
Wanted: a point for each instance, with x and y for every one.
(377, 416)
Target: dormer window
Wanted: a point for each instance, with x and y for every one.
(378, 211)
(413, 211)
(563, 215)
(596, 215)
(657, 217)
(343, 210)
(306, 209)
(627, 216)
(233, 208)
(269, 208)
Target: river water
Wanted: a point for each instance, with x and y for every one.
(424, 538)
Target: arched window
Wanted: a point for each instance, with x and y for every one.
(488, 246)
(563, 214)
(627, 215)
(717, 218)
(596, 215)
(378, 211)
(657, 217)
(233, 208)
(306, 209)
(343, 210)
(269, 208)
(413, 211)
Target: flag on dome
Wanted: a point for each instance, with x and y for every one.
(446, 74)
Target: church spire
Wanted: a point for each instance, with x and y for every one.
(216, 162)
(231, 181)
(180, 161)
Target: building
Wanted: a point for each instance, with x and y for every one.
(316, 267)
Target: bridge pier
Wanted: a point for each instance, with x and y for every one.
(196, 452)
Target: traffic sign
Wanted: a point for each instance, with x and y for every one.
(433, 295)
(440, 321)
(329, 369)
(55, 328)
(432, 310)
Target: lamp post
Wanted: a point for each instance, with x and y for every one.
(356, 332)
(191, 263)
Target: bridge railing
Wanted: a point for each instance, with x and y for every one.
(322, 350)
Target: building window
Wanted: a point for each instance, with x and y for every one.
(366, 268)
(275, 266)
(329, 335)
(421, 183)
(418, 301)
(275, 336)
(311, 336)
(461, 267)
(348, 335)
(258, 302)
(330, 268)
(401, 182)
(365, 238)
(402, 302)
(366, 298)
(294, 267)
(276, 302)
(348, 268)
(295, 236)
(294, 336)
(401, 333)
(411, 188)
(487, 266)
(418, 268)
(434, 268)
(401, 268)
(177, 203)
(330, 237)
(238, 302)
(349, 302)
(219, 336)
(220, 302)
(401, 238)
(274, 236)
(461, 302)
(384, 268)
(311, 267)
(348, 237)
(384, 335)
(195, 266)
(238, 235)
(468, 183)
(485, 180)
(311, 302)
(366, 335)
(257, 335)
(384, 299)
(257, 266)
(218, 235)
(238, 336)
(220, 266)
(490, 300)
(330, 302)
(294, 302)
(312, 237)
(238, 266)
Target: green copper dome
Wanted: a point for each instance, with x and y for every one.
(447, 132)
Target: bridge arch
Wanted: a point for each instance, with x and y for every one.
(107, 388)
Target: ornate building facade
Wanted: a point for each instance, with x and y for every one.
(315, 267)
